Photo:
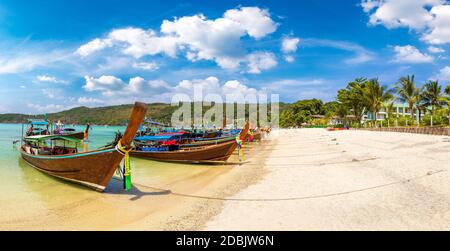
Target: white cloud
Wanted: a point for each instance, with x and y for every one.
(430, 18)
(439, 31)
(112, 86)
(49, 79)
(289, 58)
(444, 74)
(410, 54)
(52, 93)
(198, 37)
(302, 88)
(36, 108)
(89, 100)
(433, 49)
(138, 42)
(45, 78)
(255, 21)
(148, 66)
(289, 44)
(361, 55)
(259, 61)
(139, 88)
(93, 46)
(369, 5)
(106, 84)
(27, 60)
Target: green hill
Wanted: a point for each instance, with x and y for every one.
(110, 115)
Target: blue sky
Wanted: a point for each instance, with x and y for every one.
(55, 55)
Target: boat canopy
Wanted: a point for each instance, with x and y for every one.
(37, 122)
(41, 138)
(157, 138)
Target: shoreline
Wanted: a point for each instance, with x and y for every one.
(199, 206)
(155, 203)
(298, 179)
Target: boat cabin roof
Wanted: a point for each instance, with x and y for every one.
(40, 138)
(157, 137)
(37, 122)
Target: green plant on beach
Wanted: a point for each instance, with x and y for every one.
(446, 99)
(439, 118)
(432, 96)
(351, 98)
(375, 95)
(407, 92)
(389, 107)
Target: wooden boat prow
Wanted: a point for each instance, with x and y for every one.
(93, 168)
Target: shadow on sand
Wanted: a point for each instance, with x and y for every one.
(115, 186)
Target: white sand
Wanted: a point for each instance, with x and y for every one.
(346, 180)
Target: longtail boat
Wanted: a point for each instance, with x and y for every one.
(174, 153)
(93, 168)
(72, 133)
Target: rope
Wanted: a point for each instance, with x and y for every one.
(297, 198)
(127, 165)
(240, 150)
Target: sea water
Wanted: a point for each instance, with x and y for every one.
(30, 198)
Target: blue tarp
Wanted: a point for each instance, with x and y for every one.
(38, 122)
(157, 138)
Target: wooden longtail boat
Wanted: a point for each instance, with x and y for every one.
(216, 152)
(93, 168)
(208, 142)
(70, 132)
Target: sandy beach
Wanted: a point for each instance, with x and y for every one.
(346, 180)
(299, 179)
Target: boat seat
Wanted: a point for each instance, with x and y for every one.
(44, 152)
(35, 151)
(27, 149)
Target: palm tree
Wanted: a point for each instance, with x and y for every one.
(447, 99)
(390, 111)
(432, 96)
(407, 92)
(375, 95)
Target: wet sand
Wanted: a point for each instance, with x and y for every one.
(346, 180)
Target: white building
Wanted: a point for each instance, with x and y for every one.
(399, 110)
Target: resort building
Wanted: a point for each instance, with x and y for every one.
(398, 111)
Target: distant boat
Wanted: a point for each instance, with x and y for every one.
(93, 168)
(71, 132)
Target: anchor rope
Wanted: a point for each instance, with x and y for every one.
(297, 198)
(127, 165)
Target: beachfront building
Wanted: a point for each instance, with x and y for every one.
(398, 111)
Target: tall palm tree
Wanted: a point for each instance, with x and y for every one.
(375, 95)
(432, 96)
(447, 99)
(407, 92)
(389, 111)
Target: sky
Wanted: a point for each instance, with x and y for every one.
(56, 55)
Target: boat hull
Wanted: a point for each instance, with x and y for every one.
(76, 135)
(93, 169)
(218, 152)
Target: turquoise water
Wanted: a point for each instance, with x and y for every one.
(15, 174)
(30, 199)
